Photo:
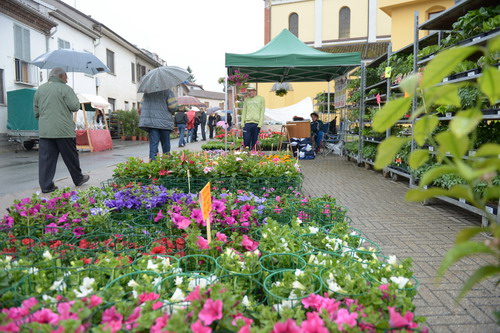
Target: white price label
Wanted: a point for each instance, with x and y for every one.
(472, 153)
(471, 74)
(448, 114)
(425, 187)
(476, 38)
(462, 200)
(445, 79)
(498, 112)
(431, 148)
(489, 209)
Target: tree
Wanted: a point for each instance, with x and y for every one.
(191, 77)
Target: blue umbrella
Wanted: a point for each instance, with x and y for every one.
(71, 61)
(213, 109)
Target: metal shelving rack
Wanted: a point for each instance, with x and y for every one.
(442, 22)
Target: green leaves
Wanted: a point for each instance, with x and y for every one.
(418, 158)
(449, 143)
(465, 122)
(488, 149)
(444, 64)
(424, 128)
(392, 112)
(489, 83)
(387, 150)
(444, 95)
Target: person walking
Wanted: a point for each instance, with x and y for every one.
(252, 117)
(229, 120)
(203, 124)
(181, 120)
(54, 104)
(197, 121)
(190, 124)
(156, 119)
(212, 122)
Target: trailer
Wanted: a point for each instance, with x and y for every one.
(22, 126)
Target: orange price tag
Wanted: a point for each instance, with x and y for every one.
(206, 207)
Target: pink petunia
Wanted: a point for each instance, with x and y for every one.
(212, 311)
(199, 328)
(111, 315)
(344, 317)
(51, 228)
(45, 316)
(194, 295)
(221, 237)
(312, 301)
(64, 310)
(63, 218)
(239, 316)
(145, 297)
(159, 324)
(249, 244)
(202, 243)
(287, 327)
(29, 303)
(197, 215)
(184, 223)
(94, 301)
(159, 216)
(396, 320)
(157, 305)
(313, 324)
(10, 327)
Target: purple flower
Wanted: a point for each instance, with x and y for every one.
(51, 228)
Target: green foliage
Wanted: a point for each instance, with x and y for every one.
(473, 179)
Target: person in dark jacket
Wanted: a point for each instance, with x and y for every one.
(212, 122)
(156, 119)
(54, 104)
(316, 130)
(197, 121)
(203, 124)
(229, 120)
(181, 121)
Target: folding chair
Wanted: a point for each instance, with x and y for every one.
(332, 142)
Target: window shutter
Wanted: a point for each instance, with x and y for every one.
(18, 42)
(26, 45)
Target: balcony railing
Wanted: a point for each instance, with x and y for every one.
(26, 73)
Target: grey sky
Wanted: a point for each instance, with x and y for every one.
(185, 32)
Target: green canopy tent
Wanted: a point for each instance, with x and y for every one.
(287, 59)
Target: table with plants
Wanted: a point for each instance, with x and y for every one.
(137, 255)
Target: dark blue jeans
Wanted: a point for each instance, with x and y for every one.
(182, 129)
(156, 136)
(250, 135)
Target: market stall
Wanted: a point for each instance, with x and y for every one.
(92, 131)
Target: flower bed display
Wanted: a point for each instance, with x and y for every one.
(268, 141)
(138, 259)
(189, 172)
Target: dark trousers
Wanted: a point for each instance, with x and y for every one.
(195, 133)
(203, 131)
(250, 135)
(156, 136)
(48, 153)
(211, 131)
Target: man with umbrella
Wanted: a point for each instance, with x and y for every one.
(54, 104)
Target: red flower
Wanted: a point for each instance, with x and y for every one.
(28, 242)
(160, 249)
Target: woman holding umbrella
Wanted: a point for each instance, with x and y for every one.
(156, 118)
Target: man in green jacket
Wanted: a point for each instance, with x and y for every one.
(55, 103)
(252, 117)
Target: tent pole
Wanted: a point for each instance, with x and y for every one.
(328, 101)
(225, 108)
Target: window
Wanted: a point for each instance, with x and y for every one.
(132, 72)
(25, 72)
(112, 102)
(110, 60)
(133, 106)
(141, 71)
(2, 92)
(344, 22)
(63, 44)
(293, 24)
(127, 108)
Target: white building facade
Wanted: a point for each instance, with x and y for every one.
(30, 28)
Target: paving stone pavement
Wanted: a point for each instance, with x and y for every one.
(405, 229)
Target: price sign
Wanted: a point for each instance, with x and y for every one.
(206, 208)
(471, 74)
(431, 148)
(388, 71)
(489, 209)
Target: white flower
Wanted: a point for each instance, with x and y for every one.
(132, 284)
(151, 266)
(86, 288)
(47, 255)
(177, 270)
(58, 285)
(245, 301)
(298, 285)
(239, 159)
(178, 281)
(9, 258)
(178, 296)
(401, 281)
(384, 280)
(392, 260)
(202, 282)
(284, 305)
(333, 286)
(299, 221)
(313, 230)
(49, 299)
(32, 270)
(298, 272)
(156, 283)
